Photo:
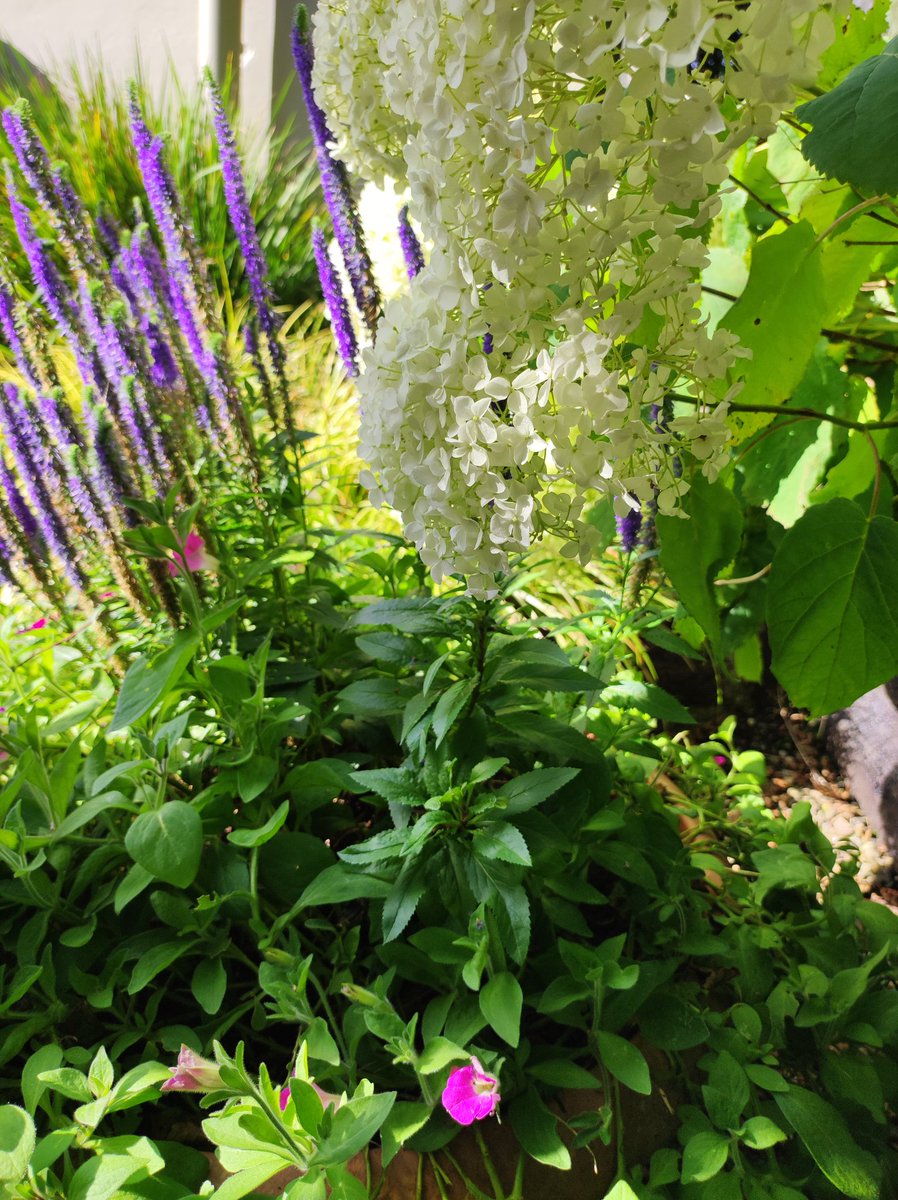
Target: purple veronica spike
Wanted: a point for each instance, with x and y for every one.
(31, 462)
(11, 333)
(78, 487)
(411, 247)
(337, 308)
(335, 185)
(244, 226)
(55, 194)
(628, 527)
(45, 274)
(184, 299)
(23, 515)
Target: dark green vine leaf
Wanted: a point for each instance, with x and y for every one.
(832, 606)
(855, 126)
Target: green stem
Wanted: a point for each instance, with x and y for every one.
(492, 1175)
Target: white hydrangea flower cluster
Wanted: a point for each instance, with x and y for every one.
(563, 160)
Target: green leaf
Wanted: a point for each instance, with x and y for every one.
(258, 837)
(783, 867)
(562, 1073)
(320, 1044)
(694, 549)
(254, 777)
(153, 962)
(149, 680)
(501, 1000)
(100, 1074)
(354, 1125)
(438, 1053)
(373, 697)
(621, 1191)
(625, 1061)
(400, 905)
(778, 318)
(831, 607)
(449, 705)
(703, 1156)
(531, 788)
(405, 1119)
(17, 1139)
(102, 1178)
(503, 841)
(826, 1136)
(209, 984)
(168, 842)
(248, 1180)
(339, 883)
(647, 698)
(537, 1130)
(855, 126)
(68, 1082)
(760, 1132)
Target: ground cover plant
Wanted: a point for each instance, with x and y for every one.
(381, 863)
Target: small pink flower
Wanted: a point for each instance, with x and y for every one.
(106, 595)
(41, 624)
(193, 1074)
(470, 1094)
(193, 558)
(326, 1098)
(721, 760)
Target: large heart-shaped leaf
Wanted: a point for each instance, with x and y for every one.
(832, 606)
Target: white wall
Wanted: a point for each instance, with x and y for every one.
(52, 33)
(164, 35)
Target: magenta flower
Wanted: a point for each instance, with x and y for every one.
(41, 624)
(721, 760)
(470, 1094)
(193, 1074)
(193, 556)
(326, 1098)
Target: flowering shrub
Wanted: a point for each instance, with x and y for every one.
(564, 168)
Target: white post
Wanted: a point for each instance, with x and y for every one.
(219, 41)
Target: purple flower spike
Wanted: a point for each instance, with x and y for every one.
(337, 308)
(487, 343)
(11, 333)
(23, 515)
(31, 465)
(44, 272)
(335, 185)
(411, 247)
(628, 527)
(243, 224)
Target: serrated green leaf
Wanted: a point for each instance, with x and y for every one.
(648, 698)
(503, 841)
(831, 606)
(855, 126)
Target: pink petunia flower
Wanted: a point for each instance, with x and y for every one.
(41, 624)
(193, 1074)
(193, 557)
(470, 1094)
(326, 1098)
